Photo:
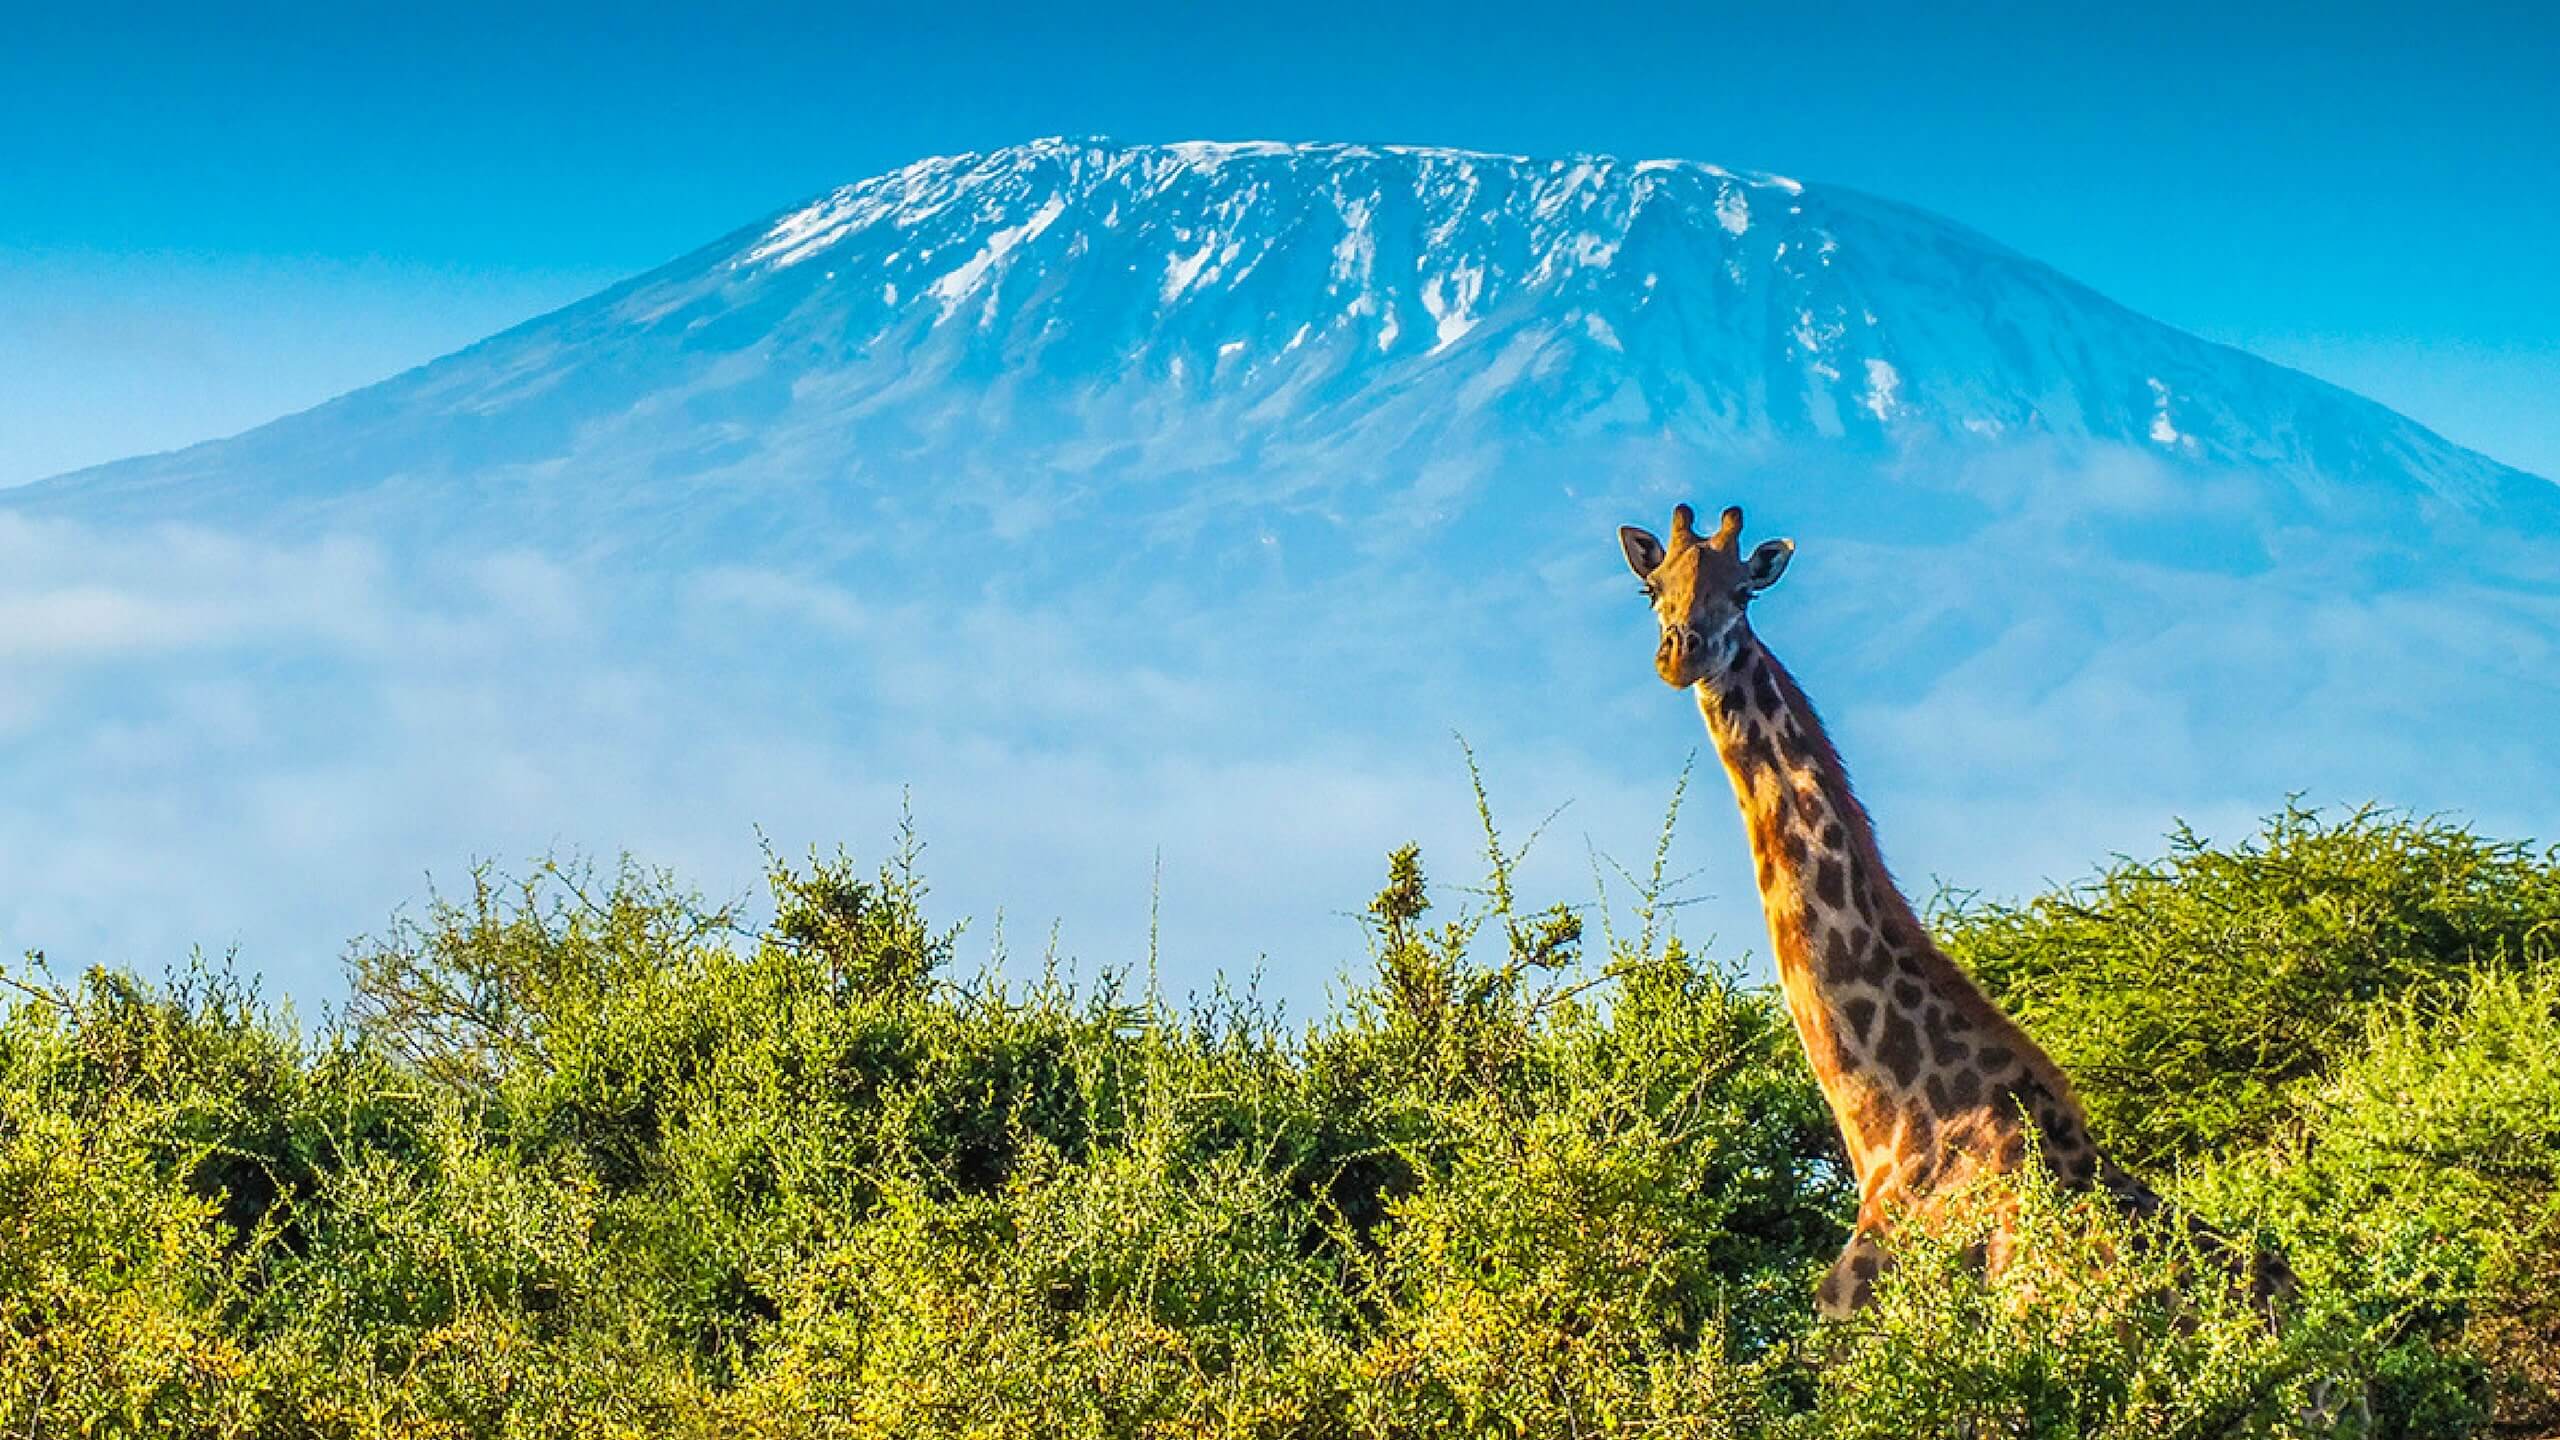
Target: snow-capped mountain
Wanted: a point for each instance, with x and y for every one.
(1181, 500)
(1324, 310)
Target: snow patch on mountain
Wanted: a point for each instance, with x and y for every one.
(1882, 383)
(1336, 304)
(952, 288)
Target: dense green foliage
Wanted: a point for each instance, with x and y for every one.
(2190, 996)
(586, 1156)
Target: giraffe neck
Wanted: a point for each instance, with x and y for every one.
(1836, 919)
(1923, 1073)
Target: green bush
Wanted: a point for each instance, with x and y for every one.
(2189, 996)
(2426, 1171)
(586, 1155)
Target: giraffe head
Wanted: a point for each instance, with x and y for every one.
(1700, 586)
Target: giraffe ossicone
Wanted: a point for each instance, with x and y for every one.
(1932, 1086)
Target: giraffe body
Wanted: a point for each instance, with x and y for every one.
(1931, 1085)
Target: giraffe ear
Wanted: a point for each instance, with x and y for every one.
(1766, 564)
(1644, 553)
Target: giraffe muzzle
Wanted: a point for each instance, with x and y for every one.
(1680, 645)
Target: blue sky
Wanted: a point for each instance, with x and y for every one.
(213, 215)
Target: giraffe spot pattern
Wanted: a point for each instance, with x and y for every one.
(1839, 957)
(1860, 1013)
(1849, 946)
(2064, 1136)
(1764, 691)
(1793, 742)
(1758, 755)
(1899, 1050)
(1944, 1047)
(1830, 883)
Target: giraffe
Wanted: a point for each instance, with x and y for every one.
(1931, 1085)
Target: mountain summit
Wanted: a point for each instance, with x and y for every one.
(1329, 309)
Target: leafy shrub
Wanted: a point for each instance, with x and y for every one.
(2188, 996)
(2427, 1170)
(587, 1156)
(2099, 1325)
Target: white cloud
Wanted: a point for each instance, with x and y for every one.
(72, 595)
(209, 740)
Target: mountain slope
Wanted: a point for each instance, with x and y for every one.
(1325, 307)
